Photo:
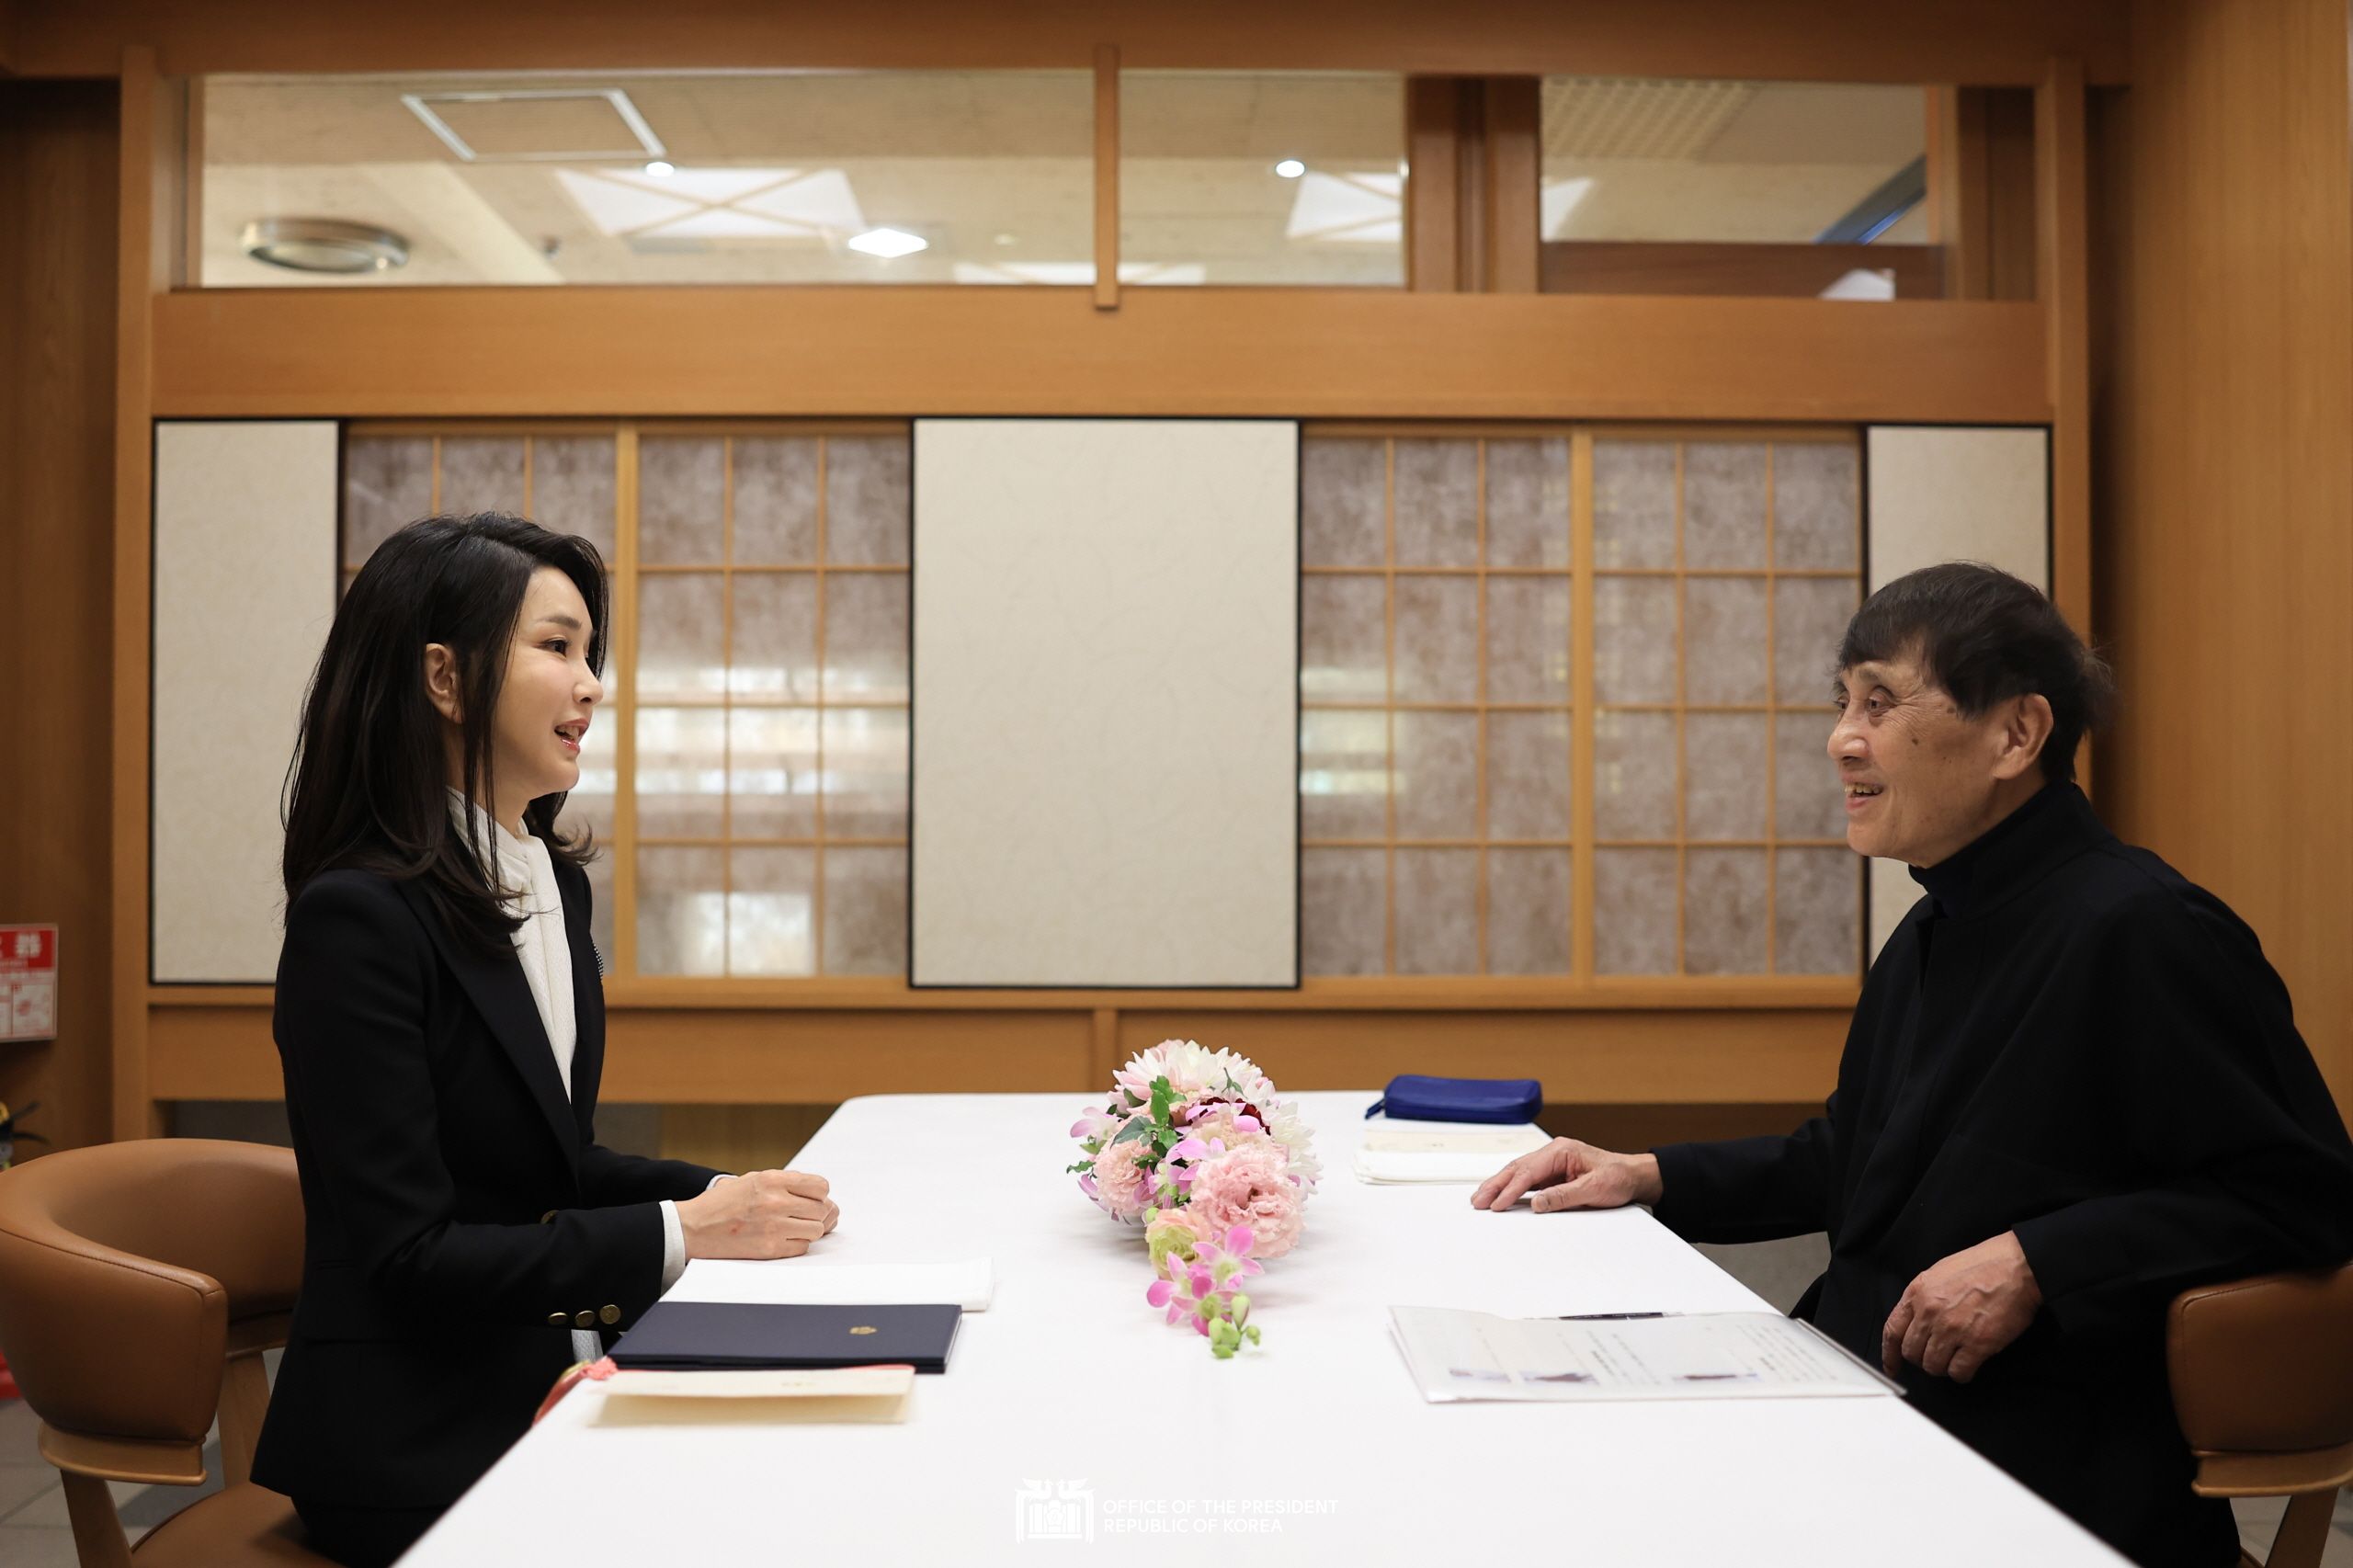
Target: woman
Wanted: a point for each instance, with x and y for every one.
(441, 1023)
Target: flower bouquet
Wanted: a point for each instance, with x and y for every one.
(1195, 1146)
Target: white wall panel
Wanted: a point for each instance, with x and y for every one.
(1106, 703)
(244, 589)
(1944, 492)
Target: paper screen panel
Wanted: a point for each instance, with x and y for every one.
(1106, 703)
(244, 589)
(1943, 493)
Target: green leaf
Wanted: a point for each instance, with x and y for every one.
(1136, 1128)
(1082, 1165)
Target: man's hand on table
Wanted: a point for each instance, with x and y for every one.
(759, 1214)
(1565, 1173)
(1959, 1312)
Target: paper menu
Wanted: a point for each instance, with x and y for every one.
(1457, 1355)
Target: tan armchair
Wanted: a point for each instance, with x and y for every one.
(139, 1283)
(2262, 1373)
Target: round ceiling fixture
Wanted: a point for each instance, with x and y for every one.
(323, 244)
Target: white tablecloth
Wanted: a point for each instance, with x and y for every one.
(1070, 1407)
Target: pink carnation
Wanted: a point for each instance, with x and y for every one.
(1249, 1184)
(1122, 1190)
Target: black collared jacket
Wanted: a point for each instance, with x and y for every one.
(460, 1217)
(2093, 1052)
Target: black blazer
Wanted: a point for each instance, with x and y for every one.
(460, 1218)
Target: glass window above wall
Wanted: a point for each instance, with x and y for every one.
(1833, 190)
(1261, 177)
(799, 177)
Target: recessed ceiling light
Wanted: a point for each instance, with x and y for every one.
(660, 167)
(888, 242)
(1290, 168)
(323, 244)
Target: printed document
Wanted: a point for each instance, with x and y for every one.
(1475, 1355)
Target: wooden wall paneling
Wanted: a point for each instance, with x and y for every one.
(1282, 353)
(1433, 184)
(740, 1138)
(145, 242)
(1804, 41)
(1106, 178)
(59, 147)
(2006, 123)
(1681, 1057)
(1724, 267)
(2065, 270)
(736, 1056)
(2226, 483)
(1982, 193)
(1362, 993)
(1513, 150)
(1955, 203)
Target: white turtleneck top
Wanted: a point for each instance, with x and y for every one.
(541, 945)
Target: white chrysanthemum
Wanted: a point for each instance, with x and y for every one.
(1285, 1128)
(1193, 1070)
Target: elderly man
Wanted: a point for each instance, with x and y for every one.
(2071, 1087)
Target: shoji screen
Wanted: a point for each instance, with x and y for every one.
(1942, 492)
(244, 589)
(1106, 702)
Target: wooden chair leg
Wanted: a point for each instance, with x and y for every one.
(2304, 1532)
(245, 1400)
(98, 1541)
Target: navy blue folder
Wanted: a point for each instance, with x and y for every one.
(677, 1337)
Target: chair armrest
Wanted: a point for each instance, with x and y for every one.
(106, 1343)
(2264, 1365)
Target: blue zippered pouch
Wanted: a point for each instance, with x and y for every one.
(1411, 1097)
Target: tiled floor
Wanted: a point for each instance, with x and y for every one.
(34, 1532)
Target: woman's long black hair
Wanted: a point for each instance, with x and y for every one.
(368, 786)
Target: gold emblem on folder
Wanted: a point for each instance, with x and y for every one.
(862, 1328)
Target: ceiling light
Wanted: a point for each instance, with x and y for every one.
(661, 168)
(888, 242)
(1290, 168)
(323, 244)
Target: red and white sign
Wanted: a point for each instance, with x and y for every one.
(27, 983)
